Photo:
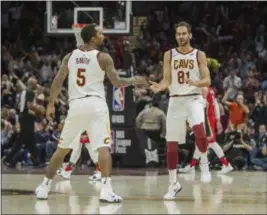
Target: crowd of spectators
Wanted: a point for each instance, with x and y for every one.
(232, 34)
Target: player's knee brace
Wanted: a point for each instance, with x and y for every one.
(172, 155)
(200, 137)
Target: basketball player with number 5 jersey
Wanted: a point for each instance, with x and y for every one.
(85, 69)
(185, 72)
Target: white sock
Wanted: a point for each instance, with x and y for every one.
(47, 181)
(197, 153)
(204, 158)
(172, 176)
(217, 149)
(106, 182)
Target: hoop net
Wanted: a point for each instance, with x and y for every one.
(77, 32)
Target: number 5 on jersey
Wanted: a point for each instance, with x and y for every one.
(80, 81)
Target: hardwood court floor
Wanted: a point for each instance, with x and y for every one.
(237, 192)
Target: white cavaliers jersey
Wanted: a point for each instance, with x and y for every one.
(183, 67)
(85, 75)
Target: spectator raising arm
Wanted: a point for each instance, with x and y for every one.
(224, 99)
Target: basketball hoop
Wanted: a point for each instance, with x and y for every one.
(77, 32)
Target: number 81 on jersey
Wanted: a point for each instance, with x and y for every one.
(182, 77)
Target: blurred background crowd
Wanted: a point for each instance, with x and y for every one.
(233, 35)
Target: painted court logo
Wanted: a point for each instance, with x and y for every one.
(118, 100)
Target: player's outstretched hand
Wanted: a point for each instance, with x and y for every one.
(154, 87)
(50, 112)
(140, 80)
(192, 83)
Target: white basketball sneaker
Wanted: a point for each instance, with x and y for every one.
(42, 190)
(59, 171)
(187, 169)
(106, 193)
(172, 191)
(205, 172)
(96, 176)
(66, 172)
(64, 165)
(226, 169)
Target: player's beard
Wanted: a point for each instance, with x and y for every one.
(100, 43)
(184, 43)
(101, 46)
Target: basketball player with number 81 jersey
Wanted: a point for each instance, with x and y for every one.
(185, 72)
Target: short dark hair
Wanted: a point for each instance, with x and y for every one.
(184, 24)
(88, 32)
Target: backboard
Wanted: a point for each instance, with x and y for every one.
(113, 16)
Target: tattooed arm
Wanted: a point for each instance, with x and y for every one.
(107, 65)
